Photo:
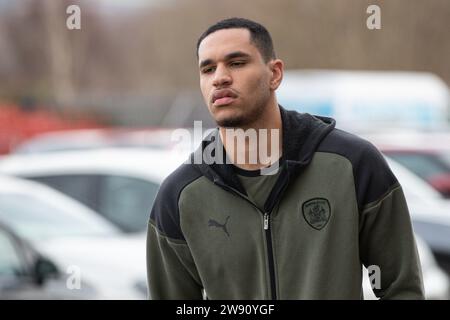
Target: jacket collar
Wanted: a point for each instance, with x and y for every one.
(301, 132)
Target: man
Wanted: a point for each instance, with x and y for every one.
(303, 230)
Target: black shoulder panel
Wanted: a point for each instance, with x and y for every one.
(165, 212)
(373, 177)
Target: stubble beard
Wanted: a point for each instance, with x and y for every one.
(240, 121)
(249, 116)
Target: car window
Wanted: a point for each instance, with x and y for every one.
(35, 218)
(127, 201)
(80, 187)
(445, 157)
(424, 165)
(9, 259)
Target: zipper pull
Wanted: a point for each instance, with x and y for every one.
(266, 221)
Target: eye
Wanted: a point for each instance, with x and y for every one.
(237, 63)
(208, 70)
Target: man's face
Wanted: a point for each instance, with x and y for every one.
(234, 79)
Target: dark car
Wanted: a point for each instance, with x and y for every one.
(26, 274)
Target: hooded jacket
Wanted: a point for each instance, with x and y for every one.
(335, 206)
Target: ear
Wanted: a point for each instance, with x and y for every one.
(277, 68)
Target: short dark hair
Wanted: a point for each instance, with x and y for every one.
(259, 35)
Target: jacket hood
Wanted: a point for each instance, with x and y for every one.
(301, 135)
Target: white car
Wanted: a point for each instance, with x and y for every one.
(86, 247)
(120, 184)
(89, 139)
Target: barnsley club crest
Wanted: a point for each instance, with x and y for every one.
(316, 212)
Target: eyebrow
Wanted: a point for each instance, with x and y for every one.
(232, 55)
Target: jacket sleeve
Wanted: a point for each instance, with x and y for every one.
(386, 235)
(171, 271)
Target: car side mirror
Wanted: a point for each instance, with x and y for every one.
(44, 269)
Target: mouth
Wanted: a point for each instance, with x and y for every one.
(223, 97)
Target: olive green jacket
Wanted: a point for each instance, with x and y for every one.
(335, 206)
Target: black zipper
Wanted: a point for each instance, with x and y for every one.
(267, 231)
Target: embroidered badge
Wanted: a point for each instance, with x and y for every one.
(317, 212)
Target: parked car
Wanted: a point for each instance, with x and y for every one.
(120, 184)
(88, 139)
(427, 154)
(79, 241)
(27, 274)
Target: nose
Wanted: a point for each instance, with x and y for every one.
(222, 77)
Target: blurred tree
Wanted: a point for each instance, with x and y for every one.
(60, 53)
(143, 58)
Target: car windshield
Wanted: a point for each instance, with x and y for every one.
(38, 219)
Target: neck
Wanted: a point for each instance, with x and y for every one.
(258, 144)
